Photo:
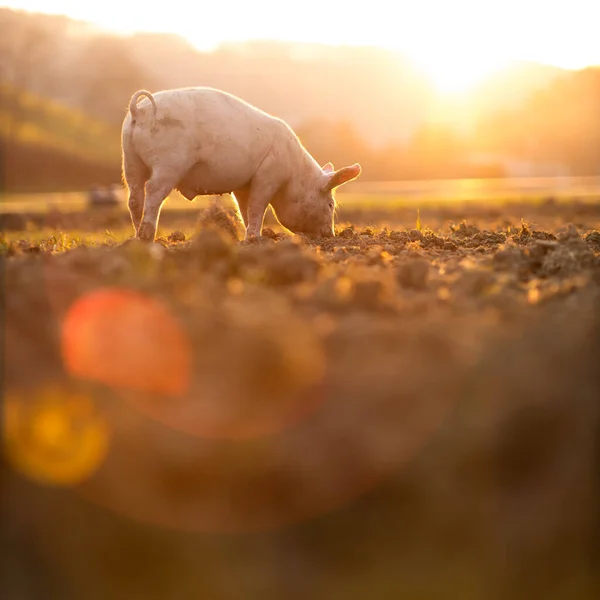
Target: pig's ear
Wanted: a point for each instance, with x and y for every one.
(328, 168)
(341, 176)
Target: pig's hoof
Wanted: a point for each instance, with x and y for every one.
(146, 232)
(127, 242)
(136, 242)
(251, 239)
(132, 241)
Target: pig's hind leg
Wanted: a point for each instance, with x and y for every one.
(135, 175)
(163, 181)
(241, 199)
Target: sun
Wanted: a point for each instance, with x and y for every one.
(455, 72)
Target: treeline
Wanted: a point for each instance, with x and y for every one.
(559, 124)
(554, 131)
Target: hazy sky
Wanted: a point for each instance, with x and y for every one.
(455, 41)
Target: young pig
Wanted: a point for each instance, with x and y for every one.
(203, 141)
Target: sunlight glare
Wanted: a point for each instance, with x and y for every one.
(438, 35)
(456, 72)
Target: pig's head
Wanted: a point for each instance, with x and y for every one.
(310, 207)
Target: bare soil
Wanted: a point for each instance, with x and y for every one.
(391, 412)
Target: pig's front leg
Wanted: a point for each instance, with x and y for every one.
(265, 185)
(256, 215)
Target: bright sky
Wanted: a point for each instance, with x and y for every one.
(455, 41)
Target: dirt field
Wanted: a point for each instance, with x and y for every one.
(410, 409)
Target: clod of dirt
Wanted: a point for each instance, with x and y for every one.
(450, 246)
(17, 247)
(347, 233)
(552, 289)
(400, 237)
(267, 232)
(569, 257)
(543, 236)
(369, 232)
(414, 235)
(593, 239)
(413, 274)
(212, 245)
(569, 233)
(523, 234)
(341, 254)
(290, 263)
(176, 236)
(333, 293)
(369, 294)
(226, 219)
(490, 238)
(431, 240)
(524, 262)
(376, 255)
(474, 281)
(464, 230)
(536, 251)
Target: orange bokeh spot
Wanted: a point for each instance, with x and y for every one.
(54, 436)
(126, 340)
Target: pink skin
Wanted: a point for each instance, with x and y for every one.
(203, 141)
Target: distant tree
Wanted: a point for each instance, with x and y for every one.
(25, 62)
(559, 124)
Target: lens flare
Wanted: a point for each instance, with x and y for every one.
(126, 340)
(250, 381)
(262, 484)
(54, 436)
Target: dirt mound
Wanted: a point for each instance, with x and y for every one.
(225, 218)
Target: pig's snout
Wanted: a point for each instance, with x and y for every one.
(327, 232)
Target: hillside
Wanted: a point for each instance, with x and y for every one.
(46, 145)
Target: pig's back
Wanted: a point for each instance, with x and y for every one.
(210, 127)
(212, 112)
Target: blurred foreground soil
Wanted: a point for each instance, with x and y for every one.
(392, 412)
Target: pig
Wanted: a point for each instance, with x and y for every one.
(204, 141)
